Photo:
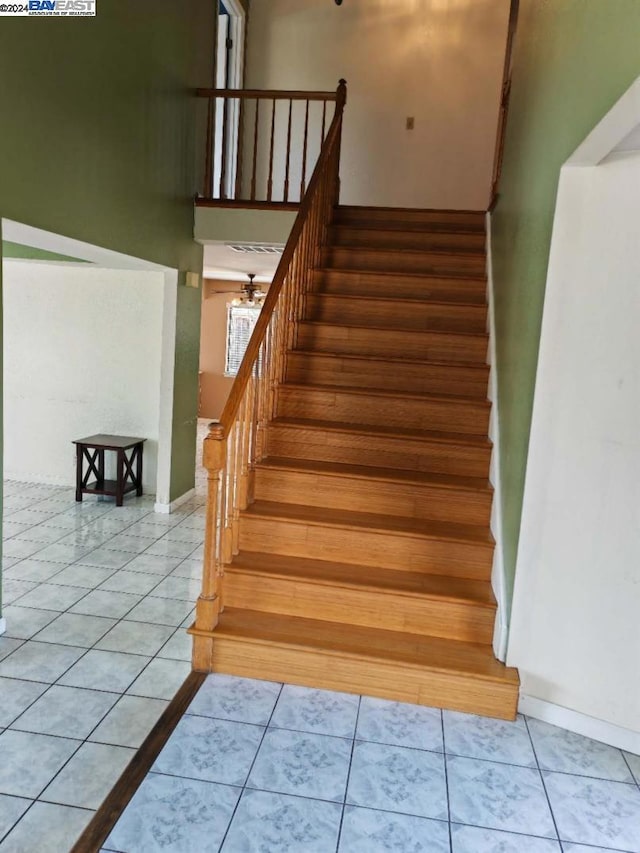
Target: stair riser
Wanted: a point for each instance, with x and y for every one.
(360, 675)
(395, 239)
(400, 287)
(428, 346)
(368, 608)
(384, 452)
(366, 547)
(445, 218)
(470, 418)
(399, 499)
(402, 261)
(394, 314)
(319, 369)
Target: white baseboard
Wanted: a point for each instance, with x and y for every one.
(501, 631)
(581, 724)
(3, 625)
(165, 509)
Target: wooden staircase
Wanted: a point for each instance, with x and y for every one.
(364, 552)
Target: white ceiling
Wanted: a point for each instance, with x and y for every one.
(223, 263)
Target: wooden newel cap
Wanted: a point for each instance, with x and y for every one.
(341, 92)
(216, 431)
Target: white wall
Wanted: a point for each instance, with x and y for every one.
(82, 355)
(437, 60)
(575, 629)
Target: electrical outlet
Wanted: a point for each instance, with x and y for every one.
(411, 122)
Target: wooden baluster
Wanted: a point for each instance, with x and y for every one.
(208, 163)
(209, 604)
(271, 151)
(255, 151)
(286, 173)
(235, 465)
(303, 182)
(262, 383)
(324, 123)
(227, 518)
(223, 159)
(240, 151)
(253, 444)
(245, 450)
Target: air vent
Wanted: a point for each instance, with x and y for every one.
(255, 248)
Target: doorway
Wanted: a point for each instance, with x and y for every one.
(229, 75)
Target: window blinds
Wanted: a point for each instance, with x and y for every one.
(240, 322)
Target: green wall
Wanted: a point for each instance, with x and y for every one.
(186, 386)
(17, 250)
(98, 134)
(101, 141)
(573, 59)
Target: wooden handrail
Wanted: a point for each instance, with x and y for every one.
(237, 442)
(267, 94)
(253, 347)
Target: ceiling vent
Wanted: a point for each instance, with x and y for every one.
(255, 248)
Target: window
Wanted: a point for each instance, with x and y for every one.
(240, 322)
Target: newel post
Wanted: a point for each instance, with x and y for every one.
(341, 100)
(209, 604)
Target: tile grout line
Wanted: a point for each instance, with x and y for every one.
(255, 758)
(446, 779)
(544, 787)
(346, 787)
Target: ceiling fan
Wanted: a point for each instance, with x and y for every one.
(251, 296)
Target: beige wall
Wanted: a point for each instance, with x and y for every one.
(437, 60)
(214, 385)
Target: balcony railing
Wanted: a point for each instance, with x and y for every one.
(262, 145)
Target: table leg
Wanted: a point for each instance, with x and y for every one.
(139, 470)
(120, 478)
(79, 457)
(100, 477)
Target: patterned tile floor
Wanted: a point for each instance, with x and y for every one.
(96, 600)
(257, 767)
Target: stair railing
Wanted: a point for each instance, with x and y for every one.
(238, 440)
(260, 144)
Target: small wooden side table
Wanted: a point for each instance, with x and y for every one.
(128, 468)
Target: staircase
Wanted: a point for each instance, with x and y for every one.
(364, 557)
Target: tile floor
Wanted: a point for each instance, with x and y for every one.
(96, 600)
(257, 767)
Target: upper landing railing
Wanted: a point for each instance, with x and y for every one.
(262, 145)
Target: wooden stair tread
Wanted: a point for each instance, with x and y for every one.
(390, 359)
(370, 327)
(366, 472)
(409, 227)
(386, 393)
(367, 644)
(467, 278)
(402, 300)
(337, 574)
(391, 250)
(453, 438)
(349, 520)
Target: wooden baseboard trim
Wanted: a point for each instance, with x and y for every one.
(109, 812)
